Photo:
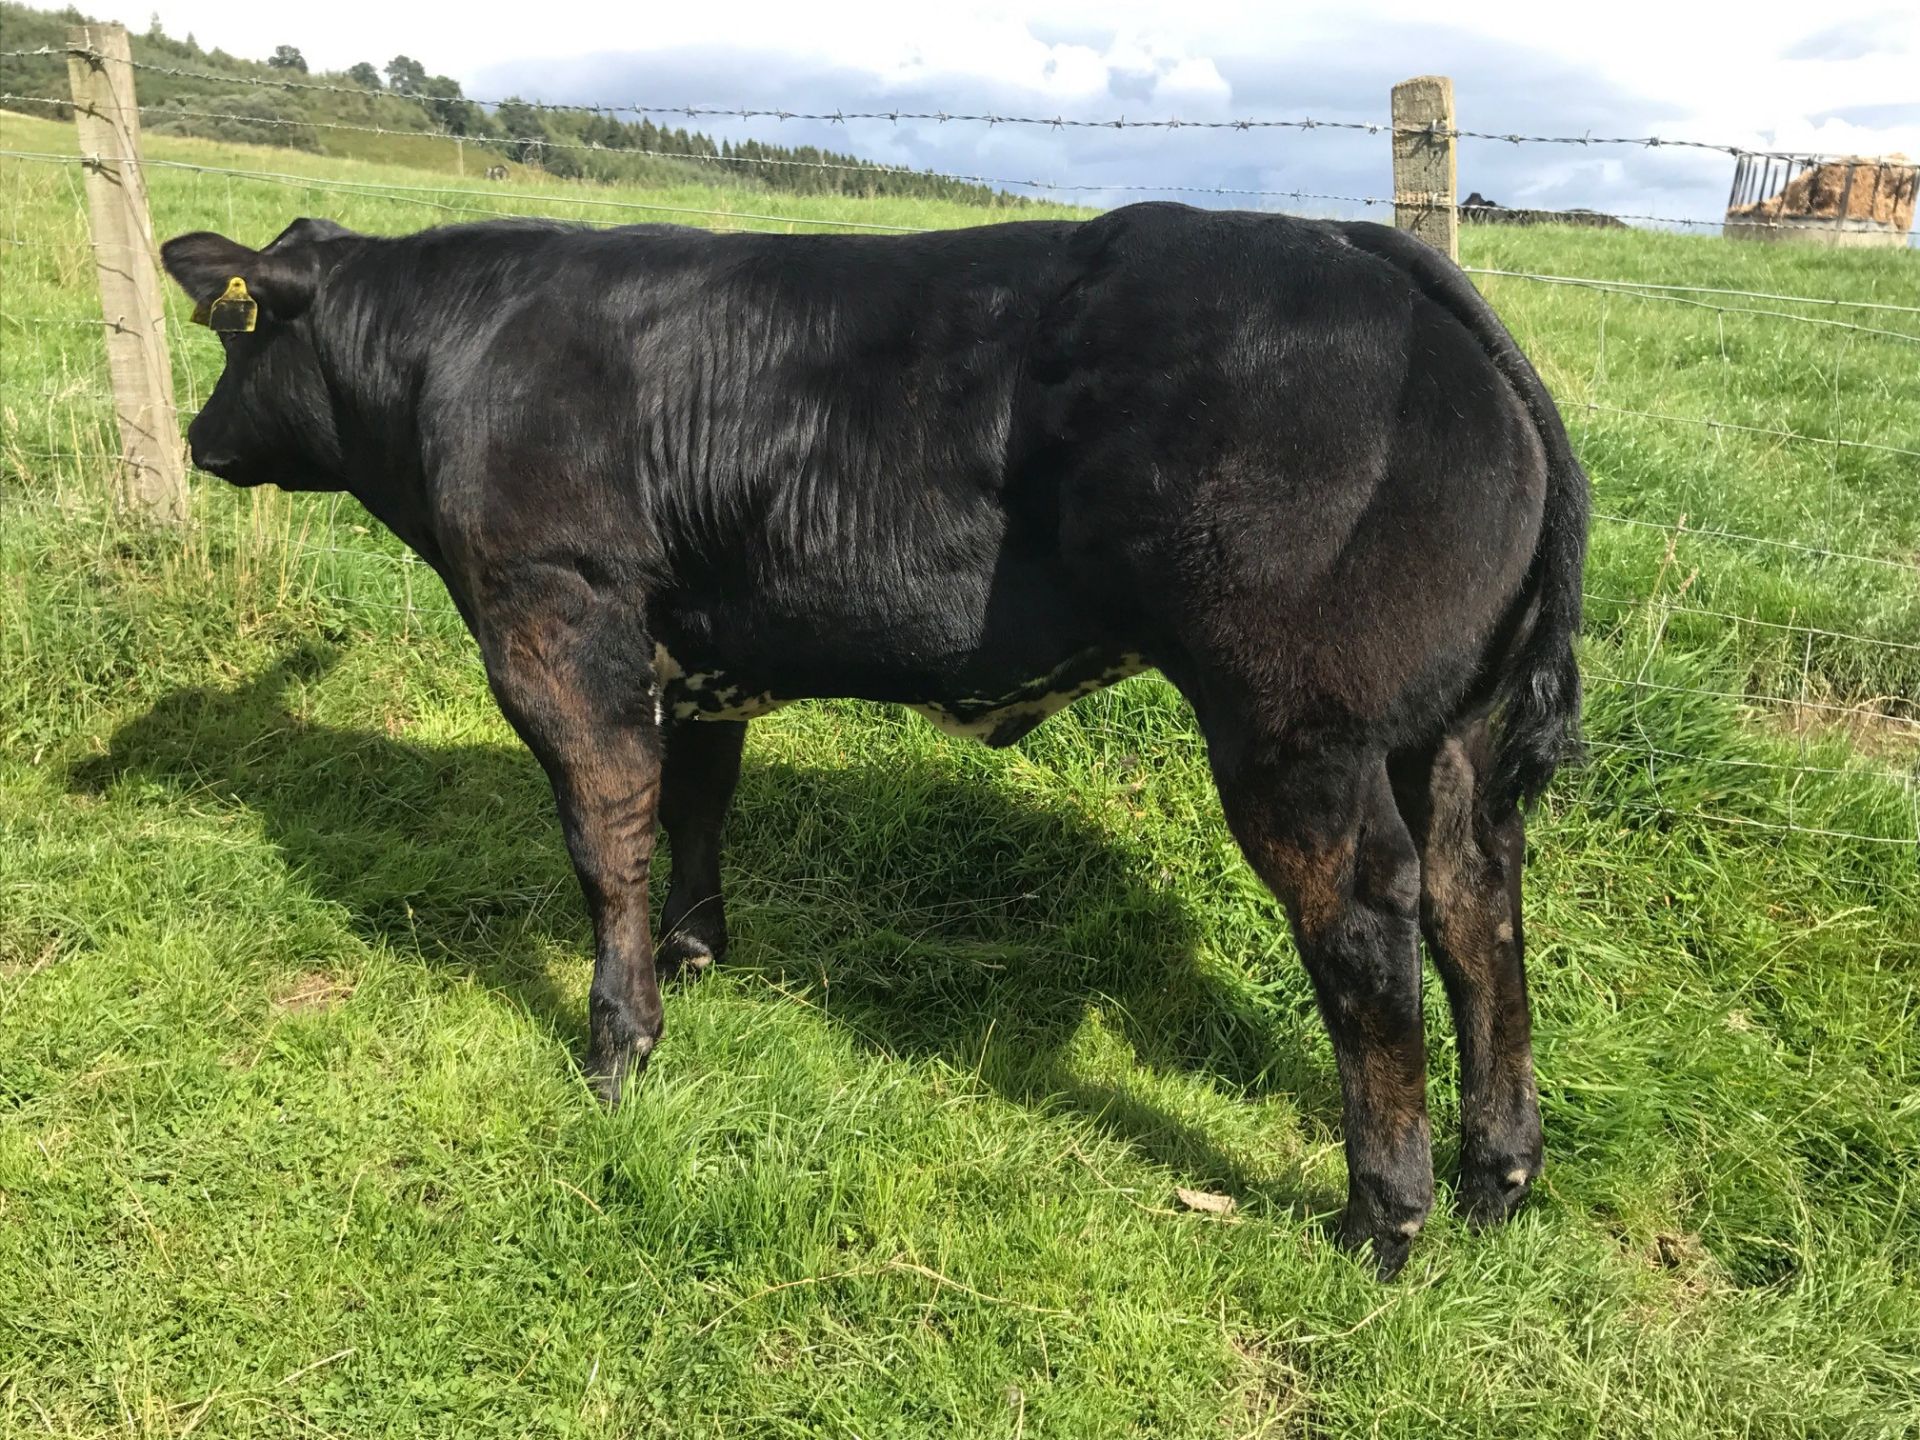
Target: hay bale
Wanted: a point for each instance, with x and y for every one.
(1868, 198)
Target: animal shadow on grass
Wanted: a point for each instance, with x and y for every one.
(931, 912)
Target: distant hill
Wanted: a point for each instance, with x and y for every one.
(399, 113)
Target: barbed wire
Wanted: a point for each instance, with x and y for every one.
(507, 145)
(841, 116)
(87, 391)
(119, 326)
(441, 611)
(438, 606)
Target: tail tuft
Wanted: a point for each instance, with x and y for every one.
(1537, 722)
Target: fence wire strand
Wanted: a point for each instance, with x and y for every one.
(1739, 538)
(1707, 422)
(1778, 827)
(1674, 608)
(1902, 779)
(1630, 291)
(513, 148)
(423, 195)
(506, 147)
(1061, 121)
(419, 193)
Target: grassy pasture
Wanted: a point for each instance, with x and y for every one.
(292, 966)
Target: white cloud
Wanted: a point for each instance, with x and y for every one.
(1196, 80)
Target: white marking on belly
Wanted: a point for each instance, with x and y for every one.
(1023, 709)
(665, 667)
(710, 695)
(722, 702)
(702, 694)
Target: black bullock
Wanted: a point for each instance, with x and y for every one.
(674, 479)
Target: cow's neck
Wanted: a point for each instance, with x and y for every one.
(403, 511)
(383, 459)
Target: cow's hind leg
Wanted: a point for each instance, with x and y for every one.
(1320, 826)
(568, 684)
(702, 768)
(1470, 868)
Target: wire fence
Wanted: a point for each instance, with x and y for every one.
(980, 117)
(1834, 726)
(534, 150)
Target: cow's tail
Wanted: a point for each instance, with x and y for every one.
(1531, 681)
(1536, 681)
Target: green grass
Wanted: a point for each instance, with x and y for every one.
(292, 973)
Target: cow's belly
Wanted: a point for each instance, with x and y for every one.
(693, 691)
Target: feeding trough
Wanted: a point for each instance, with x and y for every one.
(1855, 201)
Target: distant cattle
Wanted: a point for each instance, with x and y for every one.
(674, 480)
(496, 172)
(1476, 209)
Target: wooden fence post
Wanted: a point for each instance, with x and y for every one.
(153, 481)
(1424, 163)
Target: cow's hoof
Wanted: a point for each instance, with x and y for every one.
(613, 1069)
(683, 957)
(1390, 1246)
(1390, 1255)
(1492, 1187)
(1385, 1218)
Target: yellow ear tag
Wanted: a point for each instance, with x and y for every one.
(234, 312)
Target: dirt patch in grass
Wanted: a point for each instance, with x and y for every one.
(1880, 733)
(314, 991)
(29, 958)
(1693, 1274)
(1269, 1398)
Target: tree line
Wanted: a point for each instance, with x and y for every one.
(404, 96)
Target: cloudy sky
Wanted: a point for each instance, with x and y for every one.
(1836, 77)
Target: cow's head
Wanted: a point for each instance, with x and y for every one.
(270, 418)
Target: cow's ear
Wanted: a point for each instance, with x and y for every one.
(306, 230)
(281, 281)
(202, 263)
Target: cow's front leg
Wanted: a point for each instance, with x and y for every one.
(569, 680)
(702, 767)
